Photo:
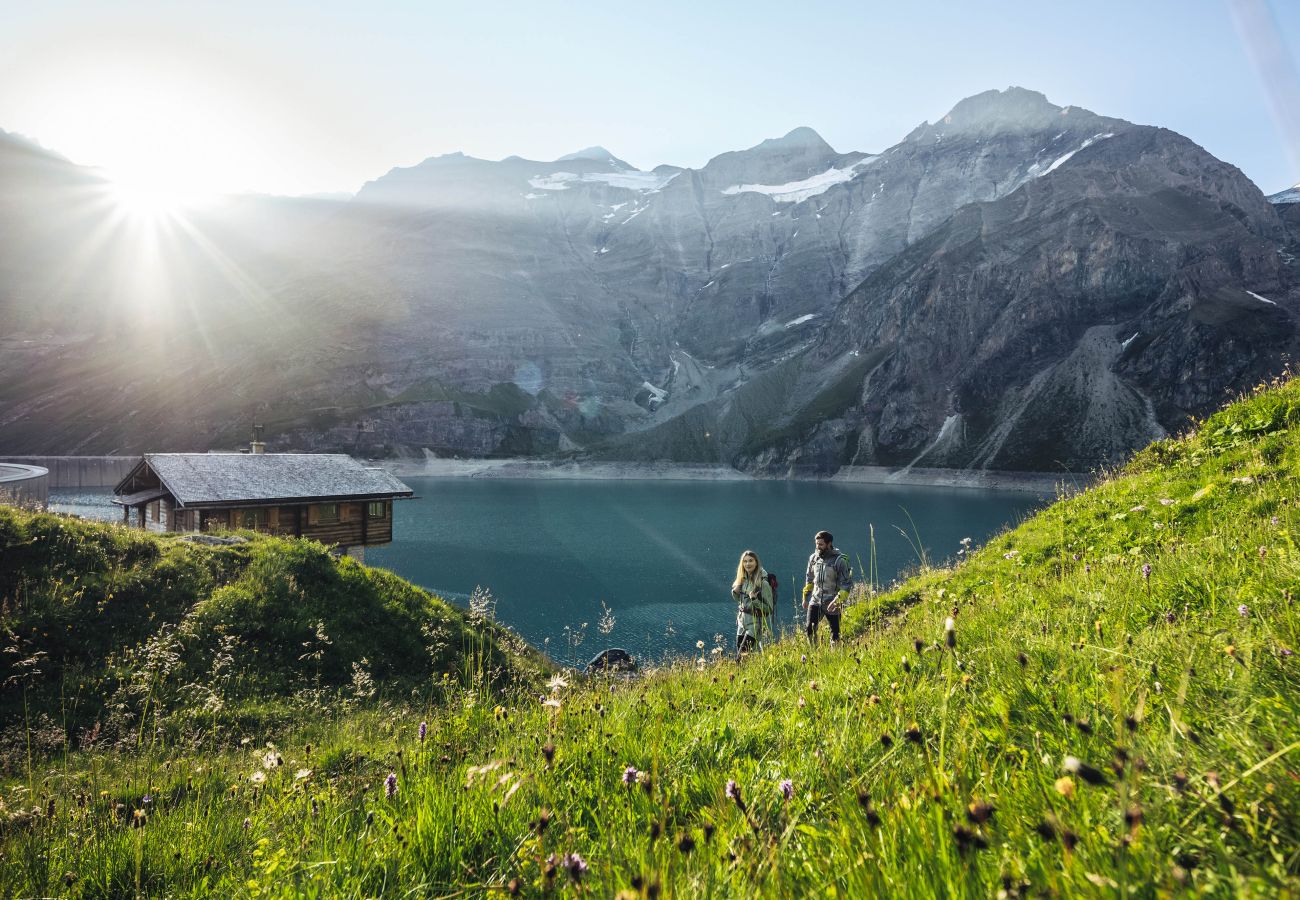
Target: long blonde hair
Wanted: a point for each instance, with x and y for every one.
(741, 575)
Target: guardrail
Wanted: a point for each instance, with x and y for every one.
(79, 471)
(23, 485)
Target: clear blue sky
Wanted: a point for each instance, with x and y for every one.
(303, 96)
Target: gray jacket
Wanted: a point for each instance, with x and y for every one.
(828, 576)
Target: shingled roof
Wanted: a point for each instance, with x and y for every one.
(197, 480)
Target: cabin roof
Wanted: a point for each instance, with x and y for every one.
(235, 479)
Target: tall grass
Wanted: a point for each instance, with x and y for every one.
(1111, 711)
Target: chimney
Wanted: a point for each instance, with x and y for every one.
(257, 446)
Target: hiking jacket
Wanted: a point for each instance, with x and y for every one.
(746, 621)
(741, 594)
(828, 576)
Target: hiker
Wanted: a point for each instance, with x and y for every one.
(827, 587)
(752, 591)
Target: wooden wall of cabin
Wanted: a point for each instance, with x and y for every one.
(353, 526)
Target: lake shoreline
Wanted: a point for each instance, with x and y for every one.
(535, 469)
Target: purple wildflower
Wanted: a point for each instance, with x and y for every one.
(576, 865)
(803, 657)
(1087, 567)
(787, 789)
(1243, 610)
(1285, 651)
(732, 790)
(390, 785)
(424, 731)
(1146, 570)
(146, 799)
(629, 775)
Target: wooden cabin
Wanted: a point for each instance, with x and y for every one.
(329, 497)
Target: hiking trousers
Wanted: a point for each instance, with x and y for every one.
(815, 615)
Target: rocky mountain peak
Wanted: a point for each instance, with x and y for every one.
(1015, 109)
(1290, 195)
(802, 138)
(594, 154)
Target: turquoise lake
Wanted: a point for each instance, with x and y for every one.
(659, 554)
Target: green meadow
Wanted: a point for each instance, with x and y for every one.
(1104, 701)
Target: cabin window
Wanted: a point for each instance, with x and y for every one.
(327, 513)
(377, 510)
(252, 518)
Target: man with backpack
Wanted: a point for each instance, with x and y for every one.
(826, 588)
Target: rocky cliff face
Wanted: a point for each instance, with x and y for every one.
(1019, 285)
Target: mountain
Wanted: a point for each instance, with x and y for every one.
(1017, 285)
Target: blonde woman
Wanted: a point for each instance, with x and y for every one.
(753, 596)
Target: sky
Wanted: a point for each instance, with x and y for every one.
(316, 96)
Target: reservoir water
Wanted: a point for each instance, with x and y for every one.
(659, 554)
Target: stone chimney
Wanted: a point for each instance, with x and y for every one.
(258, 445)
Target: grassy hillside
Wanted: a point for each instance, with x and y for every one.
(1102, 702)
(113, 633)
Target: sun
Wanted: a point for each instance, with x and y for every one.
(154, 197)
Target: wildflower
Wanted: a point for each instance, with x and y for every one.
(139, 819)
(144, 801)
(787, 788)
(812, 685)
(1243, 610)
(1146, 571)
(950, 632)
(1285, 651)
(1273, 521)
(302, 775)
(802, 702)
(979, 812)
(1263, 552)
(1087, 567)
(552, 703)
(542, 821)
(803, 657)
(1075, 766)
(968, 840)
(699, 645)
(1011, 554)
(423, 731)
(1165, 501)
(629, 775)
(575, 864)
(913, 733)
(248, 823)
(390, 785)
(732, 790)
(1065, 786)
(257, 777)
(907, 666)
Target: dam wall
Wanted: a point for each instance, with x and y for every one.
(22, 485)
(78, 471)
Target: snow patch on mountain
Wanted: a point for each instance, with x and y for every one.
(632, 180)
(1062, 160)
(1261, 299)
(798, 191)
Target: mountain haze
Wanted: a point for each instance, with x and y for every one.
(1018, 285)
